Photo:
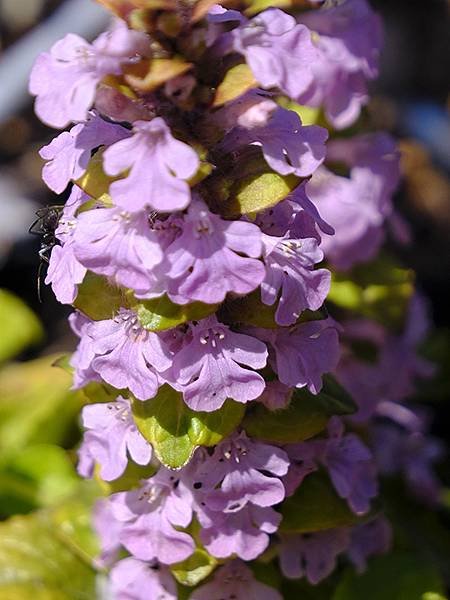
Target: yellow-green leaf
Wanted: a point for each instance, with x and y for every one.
(238, 80)
(98, 299)
(149, 74)
(174, 430)
(161, 313)
(195, 568)
(95, 181)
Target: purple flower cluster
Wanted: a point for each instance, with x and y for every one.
(175, 216)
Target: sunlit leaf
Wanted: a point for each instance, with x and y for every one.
(160, 313)
(174, 430)
(238, 80)
(95, 181)
(195, 568)
(149, 74)
(98, 299)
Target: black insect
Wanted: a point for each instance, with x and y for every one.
(45, 226)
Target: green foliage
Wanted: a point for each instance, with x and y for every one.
(379, 290)
(400, 576)
(160, 313)
(174, 430)
(194, 569)
(48, 555)
(95, 182)
(238, 80)
(250, 310)
(249, 187)
(19, 326)
(37, 476)
(36, 405)
(306, 416)
(98, 299)
(315, 506)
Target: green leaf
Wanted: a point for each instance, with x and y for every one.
(194, 569)
(95, 182)
(306, 416)
(250, 310)
(98, 299)
(379, 290)
(160, 313)
(174, 430)
(149, 74)
(400, 576)
(315, 506)
(19, 326)
(308, 114)
(250, 187)
(40, 557)
(36, 405)
(238, 80)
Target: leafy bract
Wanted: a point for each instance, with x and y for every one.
(98, 299)
(160, 313)
(238, 80)
(315, 506)
(306, 416)
(195, 568)
(174, 430)
(149, 74)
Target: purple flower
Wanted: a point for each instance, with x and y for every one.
(240, 471)
(111, 433)
(65, 79)
(276, 395)
(234, 580)
(159, 164)
(411, 453)
(278, 50)
(108, 531)
(290, 270)
(302, 354)
(369, 539)
(348, 47)
(119, 245)
(244, 533)
(125, 355)
(64, 273)
(69, 153)
(350, 466)
(287, 145)
(206, 260)
(133, 579)
(81, 359)
(348, 461)
(150, 515)
(356, 206)
(208, 367)
(312, 555)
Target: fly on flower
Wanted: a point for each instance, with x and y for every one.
(45, 226)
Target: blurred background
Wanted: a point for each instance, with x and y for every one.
(38, 421)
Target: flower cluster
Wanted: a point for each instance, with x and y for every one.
(193, 247)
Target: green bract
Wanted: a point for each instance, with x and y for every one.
(174, 430)
(315, 506)
(195, 568)
(160, 313)
(306, 416)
